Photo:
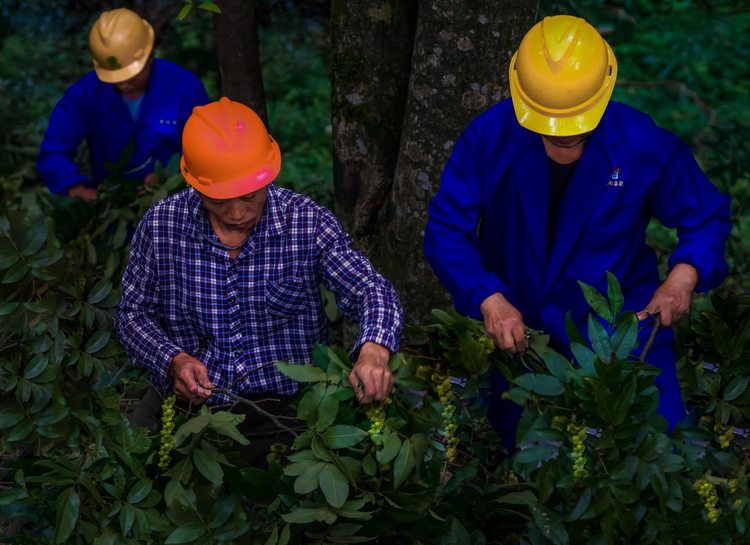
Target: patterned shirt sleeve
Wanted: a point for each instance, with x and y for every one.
(364, 295)
(136, 323)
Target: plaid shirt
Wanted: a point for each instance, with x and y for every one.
(183, 294)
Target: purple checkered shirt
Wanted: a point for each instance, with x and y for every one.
(182, 294)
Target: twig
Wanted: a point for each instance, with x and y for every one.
(252, 405)
(114, 378)
(651, 337)
(243, 377)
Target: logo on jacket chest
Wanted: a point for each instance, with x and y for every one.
(615, 181)
(168, 122)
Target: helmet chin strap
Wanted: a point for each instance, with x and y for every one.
(216, 243)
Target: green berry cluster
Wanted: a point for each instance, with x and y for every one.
(726, 434)
(376, 416)
(277, 450)
(167, 427)
(707, 491)
(579, 450)
(442, 383)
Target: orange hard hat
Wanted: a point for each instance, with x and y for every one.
(121, 43)
(562, 77)
(227, 151)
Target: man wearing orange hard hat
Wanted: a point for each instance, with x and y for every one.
(223, 281)
(128, 97)
(564, 182)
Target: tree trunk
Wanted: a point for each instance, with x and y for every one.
(459, 69)
(371, 44)
(236, 37)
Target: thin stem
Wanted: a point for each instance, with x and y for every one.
(252, 405)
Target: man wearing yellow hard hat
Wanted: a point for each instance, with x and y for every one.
(564, 182)
(223, 281)
(128, 97)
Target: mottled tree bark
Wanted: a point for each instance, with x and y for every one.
(371, 44)
(459, 69)
(236, 37)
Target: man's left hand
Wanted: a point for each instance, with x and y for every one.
(672, 300)
(371, 377)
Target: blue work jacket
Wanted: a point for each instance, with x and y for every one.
(95, 111)
(487, 231)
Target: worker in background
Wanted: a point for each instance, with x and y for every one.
(129, 97)
(558, 184)
(223, 281)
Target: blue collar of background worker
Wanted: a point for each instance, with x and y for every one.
(95, 111)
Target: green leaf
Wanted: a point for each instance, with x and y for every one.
(8, 308)
(68, 516)
(626, 493)
(544, 385)
(209, 467)
(320, 450)
(187, 533)
(597, 301)
(583, 504)
(209, 6)
(605, 400)
(585, 358)
(305, 515)
(740, 339)
(309, 480)
(343, 436)
(458, 534)
(140, 490)
(36, 366)
(21, 431)
(600, 340)
(722, 337)
(735, 388)
(368, 465)
(535, 454)
(184, 11)
(302, 373)
(10, 417)
(391, 447)
(405, 462)
(328, 409)
(334, 485)
(97, 341)
(127, 517)
(625, 338)
(35, 237)
(9, 496)
(526, 497)
(625, 402)
(100, 290)
(8, 257)
(16, 273)
(614, 292)
(558, 366)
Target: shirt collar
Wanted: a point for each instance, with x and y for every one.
(271, 222)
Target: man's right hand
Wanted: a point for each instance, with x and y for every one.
(190, 379)
(80, 191)
(504, 324)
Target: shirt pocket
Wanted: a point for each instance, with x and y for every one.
(286, 298)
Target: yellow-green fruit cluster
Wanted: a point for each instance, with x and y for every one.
(167, 427)
(442, 382)
(486, 343)
(277, 449)
(726, 434)
(579, 450)
(707, 491)
(376, 416)
(733, 486)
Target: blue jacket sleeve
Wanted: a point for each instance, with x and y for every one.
(196, 96)
(451, 242)
(66, 130)
(686, 199)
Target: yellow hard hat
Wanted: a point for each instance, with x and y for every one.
(562, 77)
(121, 43)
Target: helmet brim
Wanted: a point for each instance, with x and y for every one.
(239, 187)
(130, 71)
(569, 122)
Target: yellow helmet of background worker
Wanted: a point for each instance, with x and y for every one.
(227, 151)
(121, 43)
(562, 77)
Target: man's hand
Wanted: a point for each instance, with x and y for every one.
(504, 324)
(672, 299)
(190, 379)
(372, 371)
(80, 191)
